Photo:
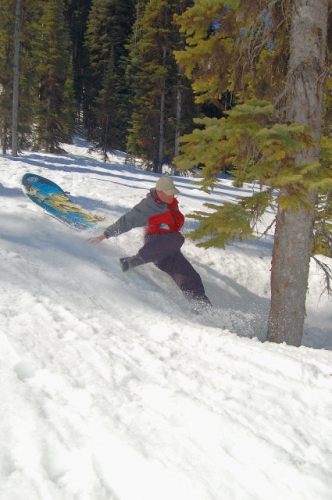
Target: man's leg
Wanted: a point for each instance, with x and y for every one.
(156, 248)
(159, 246)
(130, 262)
(185, 276)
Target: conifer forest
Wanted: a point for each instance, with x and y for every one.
(237, 86)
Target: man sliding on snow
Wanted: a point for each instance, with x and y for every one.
(159, 214)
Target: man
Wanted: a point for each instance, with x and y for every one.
(159, 214)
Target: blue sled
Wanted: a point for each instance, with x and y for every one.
(54, 200)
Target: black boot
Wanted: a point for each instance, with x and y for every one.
(130, 262)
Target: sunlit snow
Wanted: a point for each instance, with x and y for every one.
(112, 390)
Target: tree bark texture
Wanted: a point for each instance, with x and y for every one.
(178, 113)
(178, 121)
(293, 233)
(16, 77)
(162, 118)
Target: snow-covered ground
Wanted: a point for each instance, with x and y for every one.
(112, 390)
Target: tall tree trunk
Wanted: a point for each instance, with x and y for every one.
(4, 138)
(162, 105)
(291, 251)
(162, 118)
(178, 113)
(16, 75)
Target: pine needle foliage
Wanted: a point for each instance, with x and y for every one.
(258, 150)
(322, 238)
(156, 83)
(151, 64)
(108, 31)
(29, 12)
(55, 114)
(242, 47)
(6, 70)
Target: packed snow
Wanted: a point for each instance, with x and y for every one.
(112, 390)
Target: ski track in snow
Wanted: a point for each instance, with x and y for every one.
(112, 390)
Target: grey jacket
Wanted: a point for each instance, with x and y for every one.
(138, 216)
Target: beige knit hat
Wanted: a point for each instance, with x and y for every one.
(166, 185)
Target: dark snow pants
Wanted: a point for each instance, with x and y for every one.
(163, 249)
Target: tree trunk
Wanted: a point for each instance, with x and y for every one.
(15, 77)
(178, 114)
(291, 251)
(4, 138)
(161, 131)
(162, 118)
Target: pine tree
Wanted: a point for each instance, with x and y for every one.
(6, 70)
(109, 28)
(161, 94)
(16, 75)
(27, 74)
(52, 57)
(110, 132)
(271, 57)
(76, 14)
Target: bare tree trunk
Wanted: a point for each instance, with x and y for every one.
(4, 138)
(291, 251)
(162, 119)
(161, 131)
(178, 118)
(16, 75)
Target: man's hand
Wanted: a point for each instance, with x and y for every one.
(96, 239)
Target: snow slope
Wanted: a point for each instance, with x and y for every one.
(110, 389)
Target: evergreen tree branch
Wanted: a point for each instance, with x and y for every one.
(327, 271)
